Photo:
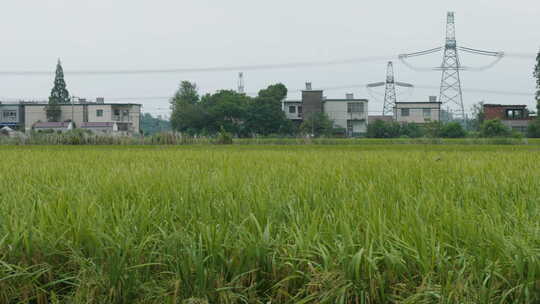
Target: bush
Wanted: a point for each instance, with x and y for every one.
(533, 131)
(494, 128)
(452, 130)
(224, 137)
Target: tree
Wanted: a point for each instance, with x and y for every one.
(152, 125)
(478, 116)
(494, 128)
(453, 130)
(537, 75)
(185, 96)
(534, 127)
(377, 129)
(59, 95)
(317, 124)
(264, 114)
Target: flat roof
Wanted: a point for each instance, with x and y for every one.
(77, 104)
(504, 106)
(422, 102)
(345, 99)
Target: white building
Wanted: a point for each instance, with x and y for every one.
(349, 114)
(417, 112)
(94, 116)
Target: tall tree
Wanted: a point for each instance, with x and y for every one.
(59, 95)
(264, 114)
(537, 75)
(185, 97)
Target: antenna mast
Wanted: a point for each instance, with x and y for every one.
(241, 87)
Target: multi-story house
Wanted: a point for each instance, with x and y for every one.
(95, 116)
(348, 113)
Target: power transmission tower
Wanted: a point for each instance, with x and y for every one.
(450, 90)
(390, 96)
(451, 93)
(241, 87)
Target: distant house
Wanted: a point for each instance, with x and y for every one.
(95, 116)
(515, 117)
(349, 113)
(418, 112)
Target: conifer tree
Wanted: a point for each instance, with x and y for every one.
(59, 95)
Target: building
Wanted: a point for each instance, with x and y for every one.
(11, 115)
(515, 117)
(418, 112)
(348, 113)
(98, 117)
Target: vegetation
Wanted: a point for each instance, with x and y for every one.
(59, 95)
(237, 113)
(537, 76)
(317, 125)
(494, 128)
(151, 125)
(241, 224)
(452, 130)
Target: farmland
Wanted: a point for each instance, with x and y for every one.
(270, 224)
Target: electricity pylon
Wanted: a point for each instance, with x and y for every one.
(451, 94)
(390, 96)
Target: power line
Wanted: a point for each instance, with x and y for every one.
(305, 64)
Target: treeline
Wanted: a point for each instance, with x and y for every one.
(485, 129)
(229, 111)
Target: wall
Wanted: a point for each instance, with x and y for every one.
(416, 112)
(312, 102)
(11, 108)
(92, 112)
(35, 113)
(337, 111)
(292, 116)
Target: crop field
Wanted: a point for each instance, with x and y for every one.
(270, 224)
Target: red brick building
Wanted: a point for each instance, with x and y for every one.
(515, 117)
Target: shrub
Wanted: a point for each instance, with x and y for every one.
(494, 128)
(533, 131)
(224, 137)
(452, 130)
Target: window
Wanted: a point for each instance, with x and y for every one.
(299, 109)
(514, 114)
(116, 112)
(355, 107)
(292, 109)
(427, 113)
(9, 115)
(99, 113)
(404, 112)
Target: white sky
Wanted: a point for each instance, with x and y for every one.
(165, 34)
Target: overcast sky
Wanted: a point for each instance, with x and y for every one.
(165, 34)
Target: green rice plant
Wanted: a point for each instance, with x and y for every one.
(268, 223)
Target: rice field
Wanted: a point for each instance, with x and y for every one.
(270, 224)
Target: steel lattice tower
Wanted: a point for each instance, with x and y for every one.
(241, 87)
(450, 82)
(450, 90)
(390, 96)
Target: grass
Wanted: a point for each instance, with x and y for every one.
(270, 224)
